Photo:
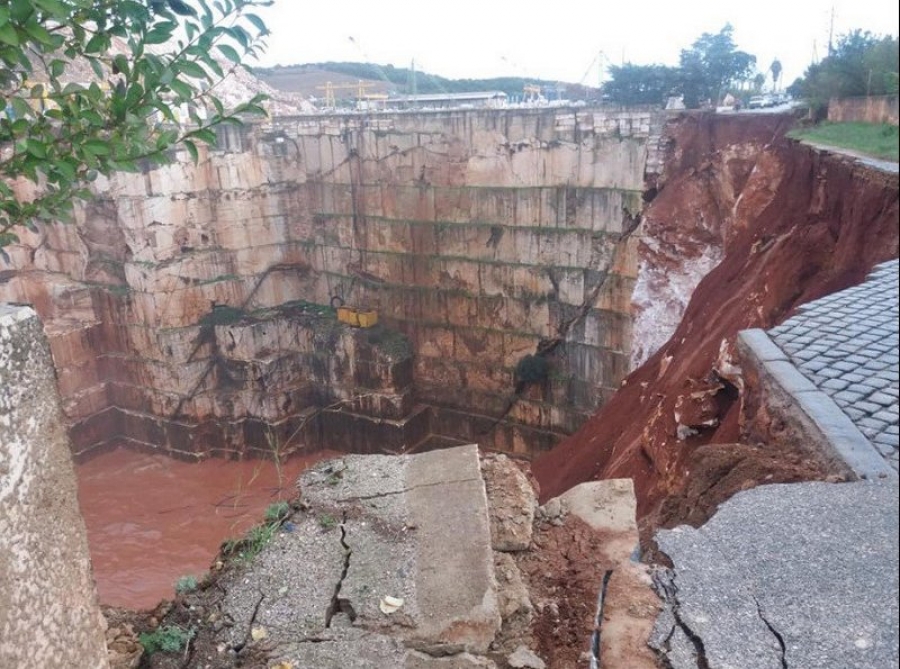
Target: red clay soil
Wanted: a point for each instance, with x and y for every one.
(796, 224)
(564, 569)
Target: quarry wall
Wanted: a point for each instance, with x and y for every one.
(189, 306)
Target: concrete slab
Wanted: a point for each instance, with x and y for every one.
(798, 575)
(608, 505)
(455, 585)
(412, 530)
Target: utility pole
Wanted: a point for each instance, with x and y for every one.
(600, 57)
(413, 89)
(831, 31)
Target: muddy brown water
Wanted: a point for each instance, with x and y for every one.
(151, 519)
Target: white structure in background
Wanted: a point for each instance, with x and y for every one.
(475, 99)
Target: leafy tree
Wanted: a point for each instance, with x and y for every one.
(775, 69)
(758, 80)
(860, 64)
(711, 64)
(640, 84)
(93, 86)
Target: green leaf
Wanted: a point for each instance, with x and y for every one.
(36, 148)
(97, 44)
(21, 108)
(205, 135)
(192, 149)
(8, 35)
(258, 22)
(230, 53)
(120, 62)
(238, 34)
(181, 8)
(20, 10)
(66, 170)
(57, 67)
(191, 69)
(97, 147)
(160, 34)
(183, 90)
(54, 7)
(214, 65)
(39, 34)
(97, 67)
(4, 16)
(72, 88)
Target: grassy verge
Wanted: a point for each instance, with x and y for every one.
(878, 140)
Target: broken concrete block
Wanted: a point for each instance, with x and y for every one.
(523, 658)
(512, 503)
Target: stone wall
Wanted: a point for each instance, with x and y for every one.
(871, 109)
(49, 615)
(481, 235)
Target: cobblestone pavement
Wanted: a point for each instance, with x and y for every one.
(847, 345)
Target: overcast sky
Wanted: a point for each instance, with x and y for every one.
(557, 39)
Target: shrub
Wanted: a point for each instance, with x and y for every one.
(185, 584)
(168, 639)
(532, 369)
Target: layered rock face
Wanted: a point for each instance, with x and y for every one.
(793, 224)
(184, 306)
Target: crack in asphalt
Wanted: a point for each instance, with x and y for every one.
(340, 604)
(781, 644)
(671, 589)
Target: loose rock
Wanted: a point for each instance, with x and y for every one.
(523, 658)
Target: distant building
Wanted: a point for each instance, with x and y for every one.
(479, 99)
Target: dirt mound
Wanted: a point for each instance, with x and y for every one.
(718, 471)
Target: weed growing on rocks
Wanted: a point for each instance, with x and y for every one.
(251, 545)
(185, 584)
(277, 512)
(166, 639)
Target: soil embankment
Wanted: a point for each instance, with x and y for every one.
(794, 224)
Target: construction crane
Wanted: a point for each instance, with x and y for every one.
(360, 88)
(532, 93)
(598, 60)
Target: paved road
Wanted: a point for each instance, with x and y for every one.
(847, 345)
(883, 165)
(802, 575)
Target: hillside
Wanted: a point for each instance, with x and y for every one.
(309, 80)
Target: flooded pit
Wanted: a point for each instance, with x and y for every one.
(151, 519)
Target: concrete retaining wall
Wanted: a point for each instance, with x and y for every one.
(872, 109)
(49, 615)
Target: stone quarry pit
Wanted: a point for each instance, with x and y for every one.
(561, 286)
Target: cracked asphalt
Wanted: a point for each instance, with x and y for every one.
(799, 576)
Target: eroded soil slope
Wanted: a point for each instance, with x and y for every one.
(794, 224)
